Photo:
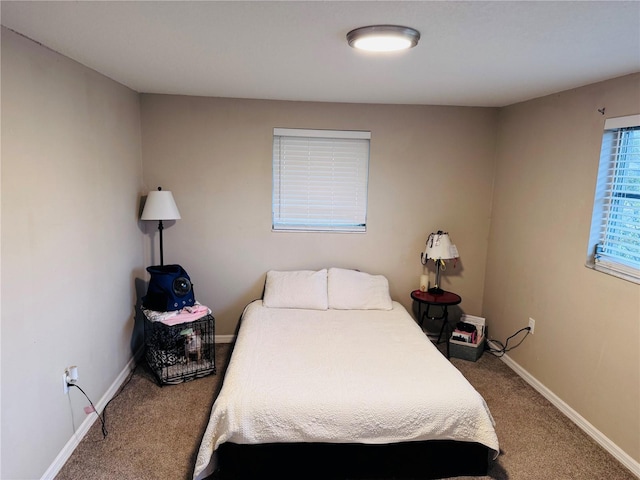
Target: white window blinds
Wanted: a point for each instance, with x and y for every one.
(615, 227)
(320, 180)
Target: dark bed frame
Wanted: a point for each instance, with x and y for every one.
(327, 461)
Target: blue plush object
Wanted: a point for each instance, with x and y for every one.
(170, 288)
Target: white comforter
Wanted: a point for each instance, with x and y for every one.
(363, 376)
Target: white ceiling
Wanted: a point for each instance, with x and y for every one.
(476, 53)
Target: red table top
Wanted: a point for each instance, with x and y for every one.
(444, 298)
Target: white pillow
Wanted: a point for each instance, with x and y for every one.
(353, 290)
(296, 289)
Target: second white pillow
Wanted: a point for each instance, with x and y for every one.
(353, 290)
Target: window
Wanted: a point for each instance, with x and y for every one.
(614, 245)
(320, 180)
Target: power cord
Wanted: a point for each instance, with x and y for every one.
(103, 417)
(104, 428)
(504, 348)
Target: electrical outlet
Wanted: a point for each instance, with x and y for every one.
(70, 375)
(532, 325)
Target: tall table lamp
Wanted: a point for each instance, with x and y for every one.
(439, 248)
(160, 206)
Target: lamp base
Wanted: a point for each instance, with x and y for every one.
(436, 290)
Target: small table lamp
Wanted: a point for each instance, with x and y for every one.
(439, 248)
(160, 206)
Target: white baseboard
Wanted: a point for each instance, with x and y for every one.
(80, 433)
(225, 338)
(575, 417)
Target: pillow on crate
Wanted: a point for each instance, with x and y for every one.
(353, 290)
(305, 289)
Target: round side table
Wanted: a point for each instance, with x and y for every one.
(436, 300)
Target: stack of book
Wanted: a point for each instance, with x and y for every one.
(464, 336)
(470, 329)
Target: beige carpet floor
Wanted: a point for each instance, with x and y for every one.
(154, 432)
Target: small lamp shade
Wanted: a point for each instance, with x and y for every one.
(160, 205)
(439, 247)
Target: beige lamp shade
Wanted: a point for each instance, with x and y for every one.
(160, 205)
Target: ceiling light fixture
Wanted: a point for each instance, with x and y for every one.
(383, 38)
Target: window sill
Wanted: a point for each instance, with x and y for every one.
(629, 277)
(317, 230)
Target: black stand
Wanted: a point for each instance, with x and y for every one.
(444, 316)
(440, 300)
(160, 228)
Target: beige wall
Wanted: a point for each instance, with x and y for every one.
(430, 168)
(73, 252)
(587, 336)
(71, 246)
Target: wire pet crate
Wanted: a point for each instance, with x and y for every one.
(179, 353)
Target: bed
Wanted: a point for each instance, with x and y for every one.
(330, 378)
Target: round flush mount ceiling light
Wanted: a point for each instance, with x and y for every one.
(383, 38)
